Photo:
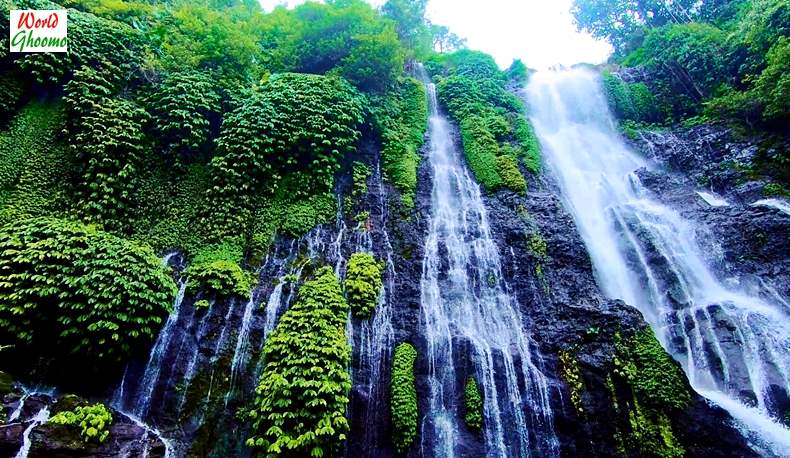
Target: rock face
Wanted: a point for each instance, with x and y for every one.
(126, 438)
(546, 268)
(746, 241)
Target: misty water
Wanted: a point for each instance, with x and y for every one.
(467, 312)
(733, 346)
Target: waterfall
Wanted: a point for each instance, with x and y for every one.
(154, 367)
(373, 338)
(734, 347)
(40, 418)
(468, 315)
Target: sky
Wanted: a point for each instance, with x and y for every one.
(539, 32)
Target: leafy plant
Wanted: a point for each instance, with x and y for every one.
(363, 284)
(94, 421)
(72, 290)
(403, 398)
(473, 407)
(401, 118)
(295, 123)
(302, 395)
(215, 270)
(184, 107)
(495, 134)
(572, 374)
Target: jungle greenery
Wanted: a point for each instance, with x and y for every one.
(718, 59)
(363, 284)
(655, 389)
(473, 405)
(303, 392)
(403, 398)
(164, 106)
(498, 141)
(94, 421)
(72, 291)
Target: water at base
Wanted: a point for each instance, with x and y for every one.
(467, 313)
(735, 348)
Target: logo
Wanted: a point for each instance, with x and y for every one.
(38, 31)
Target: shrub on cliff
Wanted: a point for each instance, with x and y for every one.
(70, 290)
(303, 392)
(403, 398)
(363, 284)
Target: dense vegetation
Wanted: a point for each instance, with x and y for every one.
(363, 284)
(473, 405)
(403, 397)
(303, 391)
(498, 141)
(657, 388)
(94, 421)
(721, 59)
(74, 292)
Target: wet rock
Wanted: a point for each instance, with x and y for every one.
(125, 439)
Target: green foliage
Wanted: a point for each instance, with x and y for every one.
(630, 102)
(775, 190)
(444, 40)
(659, 389)
(215, 270)
(360, 175)
(66, 287)
(12, 90)
(772, 87)
(732, 63)
(473, 405)
(481, 149)
(302, 394)
(656, 378)
(363, 284)
(403, 398)
(183, 107)
(29, 184)
(107, 137)
(295, 123)
(572, 374)
(517, 72)
(496, 136)
(621, 22)
(507, 168)
(348, 38)
(401, 118)
(94, 420)
(409, 17)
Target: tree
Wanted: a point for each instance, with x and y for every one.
(409, 15)
(446, 41)
(621, 22)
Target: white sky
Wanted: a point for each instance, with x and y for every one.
(539, 32)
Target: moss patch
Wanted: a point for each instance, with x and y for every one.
(403, 400)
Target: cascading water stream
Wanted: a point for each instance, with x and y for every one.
(733, 346)
(40, 418)
(153, 369)
(469, 314)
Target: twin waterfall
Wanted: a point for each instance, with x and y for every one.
(733, 345)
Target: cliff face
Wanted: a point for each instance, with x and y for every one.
(209, 371)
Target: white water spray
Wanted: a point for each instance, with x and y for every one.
(645, 253)
(468, 313)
